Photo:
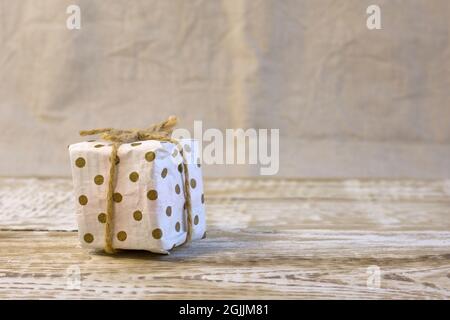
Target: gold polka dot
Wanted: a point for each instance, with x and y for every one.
(169, 211)
(80, 162)
(177, 189)
(122, 236)
(152, 195)
(117, 197)
(83, 200)
(150, 156)
(137, 215)
(134, 144)
(164, 173)
(102, 217)
(196, 219)
(175, 152)
(99, 145)
(157, 233)
(193, 183)
(177, 227)
(180, 168)
(88, 237)
(187, 148)
(98, 179)
(203, 198)
(134, 176)
(204, 235)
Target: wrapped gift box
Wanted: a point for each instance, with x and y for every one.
(149, 202)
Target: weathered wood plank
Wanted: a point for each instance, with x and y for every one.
(267, 238)
(47, 204)
(332, 189)
(242, 264)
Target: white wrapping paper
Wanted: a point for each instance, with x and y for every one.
(149, 198)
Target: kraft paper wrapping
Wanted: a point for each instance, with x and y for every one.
(148, 199)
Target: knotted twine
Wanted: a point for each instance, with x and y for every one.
(160, 132)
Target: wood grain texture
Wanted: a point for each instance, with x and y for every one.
(266, 239)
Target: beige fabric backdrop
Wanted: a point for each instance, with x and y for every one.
(348, 101)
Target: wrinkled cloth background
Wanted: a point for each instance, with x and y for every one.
(349, 102)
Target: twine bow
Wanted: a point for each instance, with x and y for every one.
(160, 132)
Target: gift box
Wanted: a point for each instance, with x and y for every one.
(149, 196)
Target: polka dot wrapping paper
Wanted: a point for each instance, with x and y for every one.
(148, 196)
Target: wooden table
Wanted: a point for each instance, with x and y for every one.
(267, 238)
